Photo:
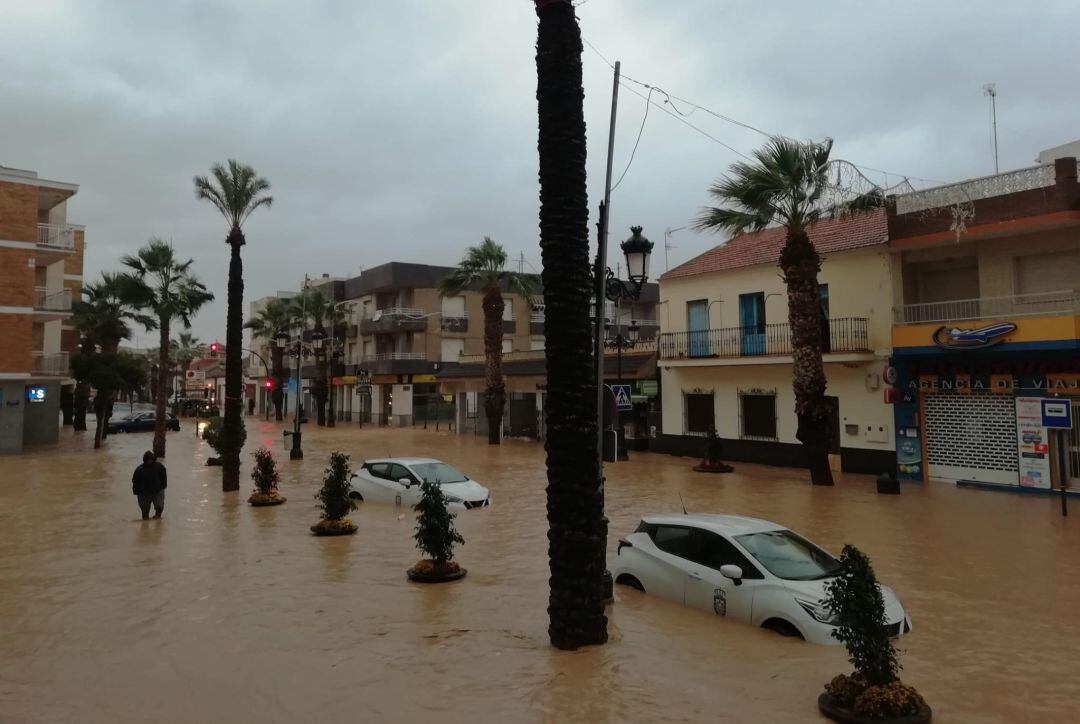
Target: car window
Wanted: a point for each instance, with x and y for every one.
(148, 416)
(789, 556)
(438, 473)
(379, 470)
(712, 550)
(398, 471)
(673, 539)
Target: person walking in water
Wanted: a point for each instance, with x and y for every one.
(148, 483)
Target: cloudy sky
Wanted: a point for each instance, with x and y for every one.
(407, 130)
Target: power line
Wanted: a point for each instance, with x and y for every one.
(648, 105)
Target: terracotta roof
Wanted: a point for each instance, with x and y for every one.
(763, 247)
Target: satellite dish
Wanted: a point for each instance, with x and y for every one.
(377, 316)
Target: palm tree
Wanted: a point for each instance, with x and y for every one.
(787, 184)
(103, 319)
(236, 191)
(186, 349)
(277, 316)
(165, 286)
(314, 307)
(577, 535)
(484, 267)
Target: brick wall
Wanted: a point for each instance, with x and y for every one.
(18, 212)
(17, 331)
(16, 277)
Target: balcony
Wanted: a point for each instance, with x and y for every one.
(1043, 304)
(396, 363)
(52, 363)
(536, 323)
(394, 319)
(57, 236)
(457, 322)
(51, 305)
(846, 335)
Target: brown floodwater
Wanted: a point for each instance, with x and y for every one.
(223, 612)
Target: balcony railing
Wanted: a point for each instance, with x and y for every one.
(53, 363)
(1010, 182)
(846, 334)
(383, 356)
(395, 319)
(52, 301)
(1017, 305)
(57, 236)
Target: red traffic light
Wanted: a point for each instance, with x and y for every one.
(269, 384)
(215, 347)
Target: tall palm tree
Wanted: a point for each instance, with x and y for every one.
(278, 315)
(102, 317)
(577, 535)
(185, 349)
(162, 284)
(313, 307)
(787, 184)
(484, 267)
(236, 191)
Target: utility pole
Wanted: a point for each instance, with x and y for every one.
(601, 277)
(990, 89)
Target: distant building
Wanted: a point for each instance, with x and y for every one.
(41, 265)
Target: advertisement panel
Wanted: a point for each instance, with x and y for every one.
(1033, 443)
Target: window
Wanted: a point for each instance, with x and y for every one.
(452, 349)
(440, 473)
(453, 306)
(397, 472)
(536, 343)
(712, 550)
(379, 470)
(507, 346)
(699, 413)
(697, 327)
(508, 311)
(789, 556)
(1041, 273)
(757, 412)
(672, 539)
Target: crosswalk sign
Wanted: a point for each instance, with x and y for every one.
(622, 397)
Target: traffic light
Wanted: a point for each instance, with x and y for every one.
(269, 384)
(215, 348)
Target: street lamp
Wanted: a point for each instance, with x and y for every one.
(299, 350)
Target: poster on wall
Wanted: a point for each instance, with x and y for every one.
(1033, 443)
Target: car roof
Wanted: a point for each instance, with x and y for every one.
(402, 461)
(726, 524)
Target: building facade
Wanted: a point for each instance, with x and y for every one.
(725, 348)
(987, 324)
(41, 260)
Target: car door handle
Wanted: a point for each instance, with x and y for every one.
(694, 576)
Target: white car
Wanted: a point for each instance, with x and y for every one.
(398, 480)
(747, 569)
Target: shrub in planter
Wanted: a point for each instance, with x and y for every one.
(266, 478)
(711, 463)
(213, 436)
(334, 500)
(435, 536)
(874, 692)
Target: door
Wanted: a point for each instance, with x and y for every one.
(666, 578)
(707, 589)
(404, 493)
(697, 326)
(522, 414)
(971, 437)
(752, 323)
(1073, 453)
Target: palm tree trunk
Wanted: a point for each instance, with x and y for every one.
(494, 385)
(234, 323)
(577, 536)
(162, 380)
(277, 395)
(800, 263)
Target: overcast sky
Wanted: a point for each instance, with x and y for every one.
(407, 130)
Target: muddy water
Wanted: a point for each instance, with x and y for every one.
(221, 612)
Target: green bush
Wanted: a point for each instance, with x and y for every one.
(333, 496)
(264, 474)
(435, 533)
(855, 597)
(214, 432)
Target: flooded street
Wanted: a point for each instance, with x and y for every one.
(223, 612)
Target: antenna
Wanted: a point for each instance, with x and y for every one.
(683, 504)
(990, 89)
(668, 246)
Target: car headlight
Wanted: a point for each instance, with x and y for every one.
(819, 611)
(452, 499)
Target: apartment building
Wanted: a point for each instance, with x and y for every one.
(725, 348)
(987, 325)
(41, 259)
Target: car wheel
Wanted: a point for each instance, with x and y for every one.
(782, 627)
(631, 582)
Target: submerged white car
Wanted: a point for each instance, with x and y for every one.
(398, 480)
(747, 569)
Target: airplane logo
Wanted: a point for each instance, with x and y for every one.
(956, 338)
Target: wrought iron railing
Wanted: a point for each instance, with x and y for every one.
(1015, 305)
(846, 334)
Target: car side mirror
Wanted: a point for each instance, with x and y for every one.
(732, 571)
(406, 482)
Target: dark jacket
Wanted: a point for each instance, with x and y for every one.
(148, 479)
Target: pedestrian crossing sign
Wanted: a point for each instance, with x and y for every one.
(622, 397)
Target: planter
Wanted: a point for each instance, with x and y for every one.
(428, 571)
(260, 500)
(718, 467)
(334, 527)
(887, 484)
(213, 461)
(832, 709)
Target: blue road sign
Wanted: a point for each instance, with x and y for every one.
(623, 402)
(1057, 414)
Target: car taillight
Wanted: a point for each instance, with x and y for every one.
(623, 543)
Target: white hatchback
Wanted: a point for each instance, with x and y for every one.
(748, 569)
(398, 480)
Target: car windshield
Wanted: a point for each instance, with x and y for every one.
(789, 556)
(438, 473)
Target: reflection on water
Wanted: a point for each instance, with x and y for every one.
(223, 612)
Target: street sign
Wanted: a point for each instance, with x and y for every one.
(623, 401)
(1056, 414)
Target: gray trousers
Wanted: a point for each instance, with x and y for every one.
(158, 499)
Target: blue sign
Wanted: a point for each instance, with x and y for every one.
(1056, 414)
(623, 401)
(35, 394)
